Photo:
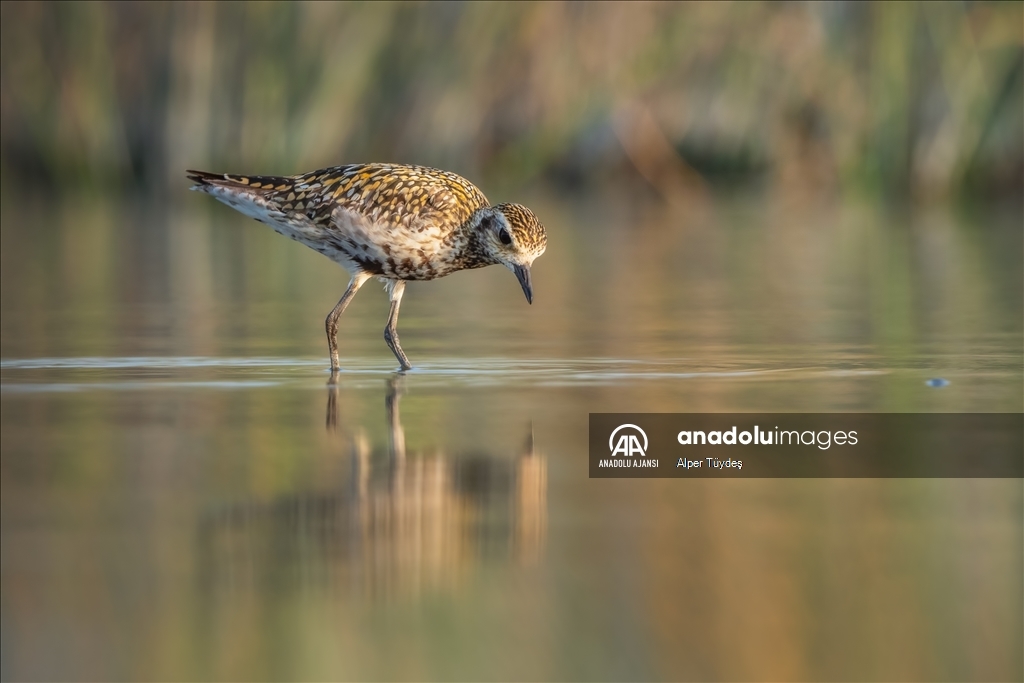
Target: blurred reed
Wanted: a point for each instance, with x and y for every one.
(903, 99)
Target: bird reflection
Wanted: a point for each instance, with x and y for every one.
(402, 522)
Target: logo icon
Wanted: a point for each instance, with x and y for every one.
(628, 443)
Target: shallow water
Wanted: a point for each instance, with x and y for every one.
(186, 496)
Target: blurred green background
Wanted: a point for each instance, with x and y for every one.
(904, 99)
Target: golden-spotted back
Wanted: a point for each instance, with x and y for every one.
(393, 194)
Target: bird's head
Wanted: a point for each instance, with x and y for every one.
(512, 236)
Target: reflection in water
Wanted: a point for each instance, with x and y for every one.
(404, 522)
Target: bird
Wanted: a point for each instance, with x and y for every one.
(394, 222)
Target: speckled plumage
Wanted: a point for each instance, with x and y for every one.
(390, 221)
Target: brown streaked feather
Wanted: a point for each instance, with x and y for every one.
(398, 198)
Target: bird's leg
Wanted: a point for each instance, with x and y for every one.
(391, 331)
(332, 318)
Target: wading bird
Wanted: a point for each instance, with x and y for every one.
(389, 221)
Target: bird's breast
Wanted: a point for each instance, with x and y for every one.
(404, 251)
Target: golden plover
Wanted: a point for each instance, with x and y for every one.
(389, 221)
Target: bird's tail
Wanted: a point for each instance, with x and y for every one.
(255, 196)
(258, 184)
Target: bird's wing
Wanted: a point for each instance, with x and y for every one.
(394, 198)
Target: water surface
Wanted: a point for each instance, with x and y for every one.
(187, 495)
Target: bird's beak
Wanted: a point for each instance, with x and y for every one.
(523, 274)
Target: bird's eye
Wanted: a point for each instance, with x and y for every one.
(505, 237)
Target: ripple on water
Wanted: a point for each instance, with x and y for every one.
(34, 375)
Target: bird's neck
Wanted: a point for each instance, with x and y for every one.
(474, 253)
